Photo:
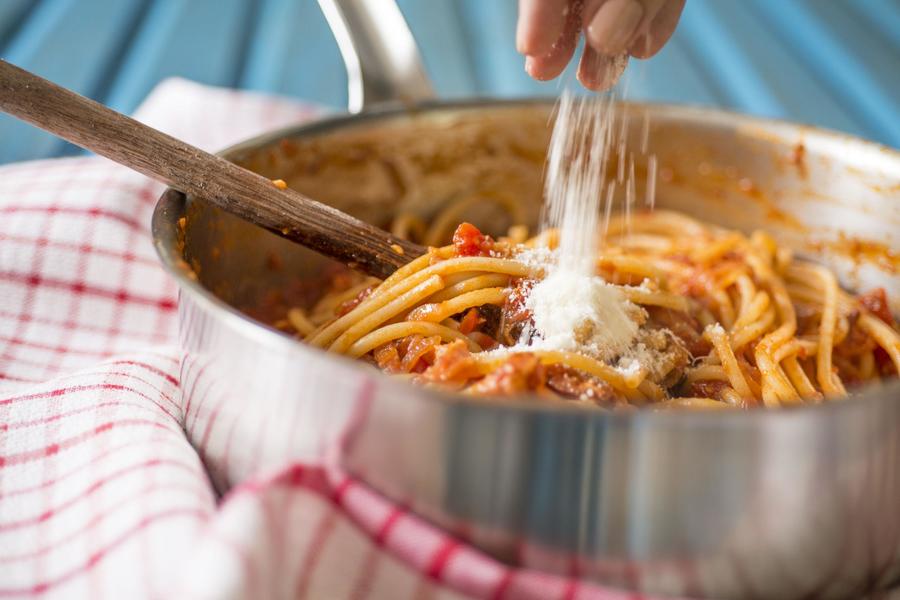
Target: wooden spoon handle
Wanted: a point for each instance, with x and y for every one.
(250, 196)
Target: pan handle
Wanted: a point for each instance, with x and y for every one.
(379, 51)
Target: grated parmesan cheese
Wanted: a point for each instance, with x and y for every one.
(579, 313)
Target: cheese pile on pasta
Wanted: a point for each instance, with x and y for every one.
(722, 319)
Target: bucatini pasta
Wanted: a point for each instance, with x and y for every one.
(724, 319)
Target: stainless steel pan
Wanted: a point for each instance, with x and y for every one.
(787, 504)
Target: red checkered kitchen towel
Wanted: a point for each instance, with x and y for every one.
(102, 494)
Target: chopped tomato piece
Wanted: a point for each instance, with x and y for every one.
(470, 321)
(484, 340)
(387, 358)
(515, 311)
(419, 350)
(876, 302)
(521, 372)
(469, 241)
(349, 305)
(453, 362)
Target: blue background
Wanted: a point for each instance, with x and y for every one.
(834, 63)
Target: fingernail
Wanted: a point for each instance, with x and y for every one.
(530, 62)
(640, 47)
(614, 25)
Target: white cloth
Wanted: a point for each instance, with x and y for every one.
(102, 494)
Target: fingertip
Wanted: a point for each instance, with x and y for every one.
(548, 65)
(533, 69)
(643, 47)
(545, 68)
(598, 72)
(659, 31)
(540, 24)
(613, 27)
(589, 82)
(587, 69)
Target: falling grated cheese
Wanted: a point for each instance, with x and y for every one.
(572, 308)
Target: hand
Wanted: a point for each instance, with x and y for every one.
(548, 31)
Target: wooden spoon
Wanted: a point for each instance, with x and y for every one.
(232, 188)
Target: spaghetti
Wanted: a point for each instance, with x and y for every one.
(723, 319)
